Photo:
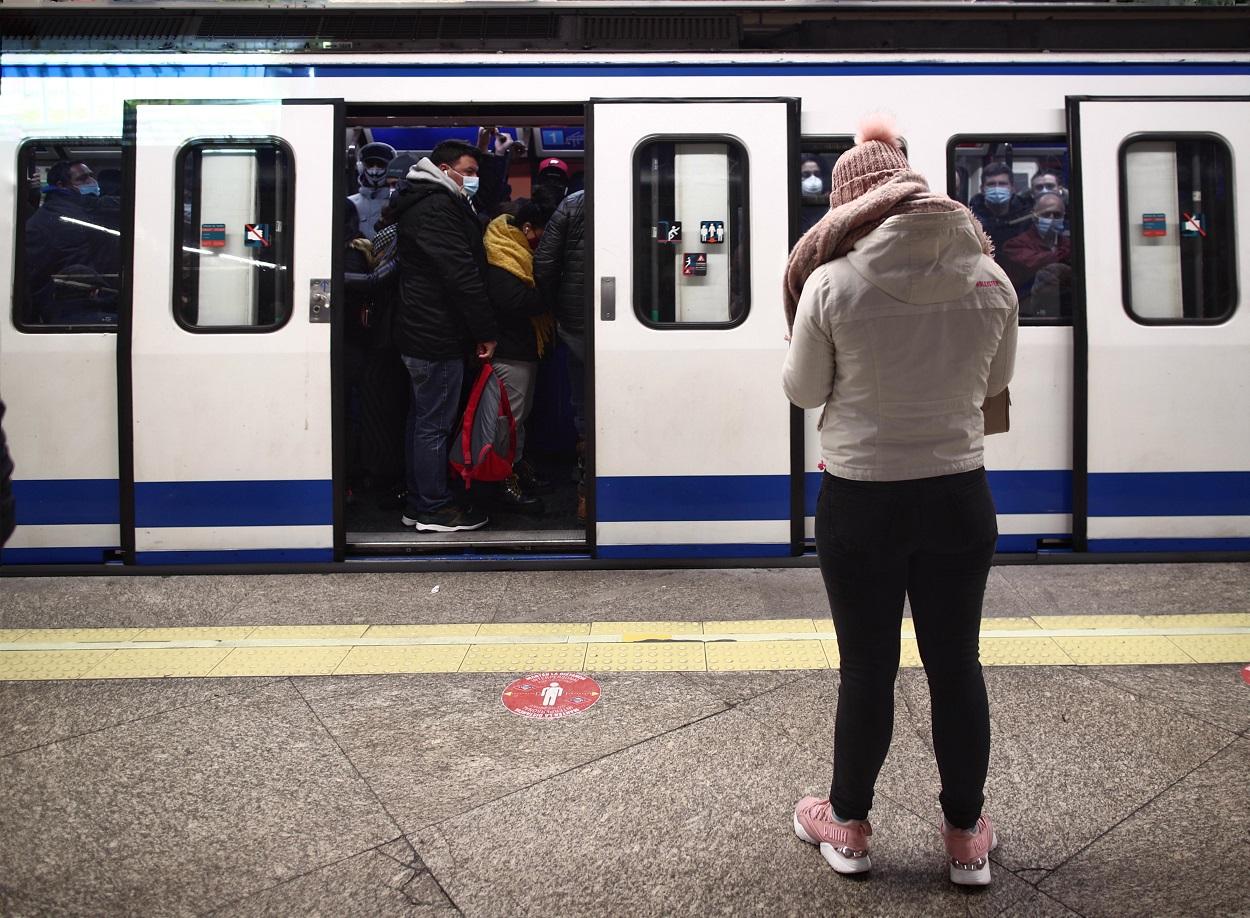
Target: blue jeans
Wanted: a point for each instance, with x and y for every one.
(577, 378)
(931, 539)
(432, 416)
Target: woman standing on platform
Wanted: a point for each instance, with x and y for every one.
(901, 325)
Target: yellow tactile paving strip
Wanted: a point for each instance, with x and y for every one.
(713, 645)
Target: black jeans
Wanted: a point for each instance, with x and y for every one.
(931, 539)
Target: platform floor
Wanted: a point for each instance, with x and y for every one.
(1118, 777)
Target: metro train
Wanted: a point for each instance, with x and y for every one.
(190, 408)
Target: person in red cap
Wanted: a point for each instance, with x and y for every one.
(554, 172)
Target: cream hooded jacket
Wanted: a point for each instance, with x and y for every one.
(900, 342)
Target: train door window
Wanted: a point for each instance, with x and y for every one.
(1176, 219)
(690, 232)
(235, 239)
(69, 231)
(815, 171)
(1017, 187)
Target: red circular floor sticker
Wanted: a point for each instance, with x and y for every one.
(1245, 674)
(546, 696)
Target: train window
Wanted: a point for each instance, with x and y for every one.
(1176, 219)
(235, 237)
(815, 169)
(68, 236)
(690, 238)
(1018, 188)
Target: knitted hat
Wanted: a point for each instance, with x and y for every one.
(876, 158)
(377, 150)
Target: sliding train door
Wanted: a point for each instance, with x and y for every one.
(225, 394)
(1163, 377)
(690, 217)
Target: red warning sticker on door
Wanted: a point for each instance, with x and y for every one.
(546, 696)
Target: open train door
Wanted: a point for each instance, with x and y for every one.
(224, 361)
(690, 215)
(1162, 433)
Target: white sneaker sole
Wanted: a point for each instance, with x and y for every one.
(837, 860)
(439, 527)
(979, 876)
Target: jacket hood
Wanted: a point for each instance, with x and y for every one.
(920, 258)
(426, 171)
(425, 179)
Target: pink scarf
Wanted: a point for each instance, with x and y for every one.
(847, 222)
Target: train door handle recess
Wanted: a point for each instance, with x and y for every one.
(607, 299)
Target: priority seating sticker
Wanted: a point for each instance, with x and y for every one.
(547, 696)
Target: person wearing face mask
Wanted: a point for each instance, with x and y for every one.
(813, 203)
(1003, 214)
(374, 193)
(526, 326)
(1046, 242)
(811, 180)
(1046, 181)
(72, 250)
(442, 317)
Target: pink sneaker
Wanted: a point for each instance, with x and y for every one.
(969, 851)
(844, 846)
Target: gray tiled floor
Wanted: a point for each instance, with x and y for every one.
(420, 796)
(1013, 590)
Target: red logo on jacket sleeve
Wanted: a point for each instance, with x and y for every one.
(988, 284)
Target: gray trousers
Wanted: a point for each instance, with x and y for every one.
(519, 378)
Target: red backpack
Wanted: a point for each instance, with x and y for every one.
(484, 447)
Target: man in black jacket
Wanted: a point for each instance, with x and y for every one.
(560, 272)
(8, 509)
(443, 315)
(73, 253)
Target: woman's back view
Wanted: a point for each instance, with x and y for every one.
(903, 325)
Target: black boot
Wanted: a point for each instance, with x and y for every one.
(530, 479)
(511, 496)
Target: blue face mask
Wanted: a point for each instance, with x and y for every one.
(93, 188)
(1048, 225)
(470, 184)
(998, 194)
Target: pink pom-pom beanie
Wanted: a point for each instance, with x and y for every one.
(875, 159)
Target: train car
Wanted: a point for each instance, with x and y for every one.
(175, 350)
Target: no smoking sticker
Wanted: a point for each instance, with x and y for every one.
(546, 696)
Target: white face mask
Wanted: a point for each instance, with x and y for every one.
(812, 184)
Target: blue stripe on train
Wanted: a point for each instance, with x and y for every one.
(580, 70)
(161, 504)
(1155, 545)
(66, 501)
(95, 555)
(692, 497)
(241, 556)
(720, 550)
(1169, 494)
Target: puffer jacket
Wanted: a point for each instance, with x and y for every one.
(901, 341)
(442, 309)
(560, 263)
(8, 508)
(55, 246)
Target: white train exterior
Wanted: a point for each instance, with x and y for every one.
(152, 446)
